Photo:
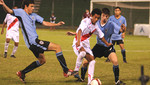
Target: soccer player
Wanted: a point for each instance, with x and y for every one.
(12, 33)
(118, 38)
(81, 45)
(101, 49)
(52, 20)
(27, 20)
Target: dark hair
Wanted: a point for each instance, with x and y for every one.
(106, 11)
(118, 8)
(96, 11)
(27, 2)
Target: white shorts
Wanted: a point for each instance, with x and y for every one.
(87, 49)
(13, 35)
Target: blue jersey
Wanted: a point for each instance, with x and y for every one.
(108, 29)
(28, 25)
(119, 22)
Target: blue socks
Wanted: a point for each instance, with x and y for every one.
(116, 72)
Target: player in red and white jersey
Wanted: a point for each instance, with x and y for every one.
(12, 32)
(81, 44)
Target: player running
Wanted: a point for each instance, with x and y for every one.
(118, 38)
(81, 45)
(101, 49)
(27, 20)
(12, 33)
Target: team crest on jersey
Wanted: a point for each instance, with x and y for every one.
(106, 30)
(120, 21)
(41, 42)
(33, 18)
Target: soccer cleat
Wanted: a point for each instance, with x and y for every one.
(5, 55)
(79, 79)
(124, 60)
(68, 73)
(21, 76)
(13, 56)
(107, 60)
(119, 83)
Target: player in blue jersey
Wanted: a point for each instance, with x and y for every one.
(118, 38)
(27, 20)
(100, 49)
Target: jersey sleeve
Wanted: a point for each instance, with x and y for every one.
(125, 23)
(98, 32)
(116, 28)
(39, 19)
(17, 12)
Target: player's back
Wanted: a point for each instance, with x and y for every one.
(12, 23)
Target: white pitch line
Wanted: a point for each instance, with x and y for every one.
(72, 49)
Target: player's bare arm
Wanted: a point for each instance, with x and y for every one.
(71, 33)
(3, 27)
(123, 34)
(108, 44)
(78, 38)
(6, 8)
(45, 23)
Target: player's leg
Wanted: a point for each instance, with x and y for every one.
(91, 67)
(114, 60)
(6, 47)
(15, 38)
(41, 60)
(84, 68)
(14, 49)
(60, 57)
(123, 52)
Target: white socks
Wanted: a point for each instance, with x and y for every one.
(91, 71)
(6, 47)
(79, 60)
(14, 50)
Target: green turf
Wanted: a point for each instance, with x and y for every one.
(138, 53)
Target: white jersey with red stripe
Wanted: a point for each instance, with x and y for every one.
(12, 23)
(87, 30)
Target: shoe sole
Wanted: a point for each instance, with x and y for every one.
(20, 78)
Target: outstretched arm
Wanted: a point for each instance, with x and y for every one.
(3, 27)
(71, 33)
(45, 23)
(6, 8)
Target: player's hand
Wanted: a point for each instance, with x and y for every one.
(123, 27)
(123, 35)
(109, 44)
(70, 33)
(61, 23)
(77, 44)
(1, 2)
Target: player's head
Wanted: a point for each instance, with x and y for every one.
(14, 7)
(105, 14)
(87, 11)
(117, 11)
(28, 6)
(95, 15)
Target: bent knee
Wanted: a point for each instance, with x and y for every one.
(43, 61)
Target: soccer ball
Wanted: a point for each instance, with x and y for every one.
(96, 81)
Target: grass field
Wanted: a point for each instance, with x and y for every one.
(138, 53)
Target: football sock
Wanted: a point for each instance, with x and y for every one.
(123, 52)
(32, 66)
(14, 50)
(116, 72)
(91, 71)
(6, 47)
(79, 60)
(62, 61)
(83, 72)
